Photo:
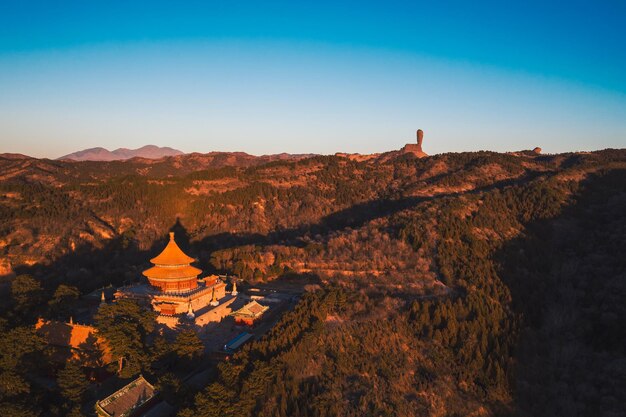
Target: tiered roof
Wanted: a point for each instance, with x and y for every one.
(172, 255)
(164, 272)
(171, 270)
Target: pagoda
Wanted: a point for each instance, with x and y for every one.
(173, 288)
(172, 270)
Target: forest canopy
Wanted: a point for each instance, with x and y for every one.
(473, 283)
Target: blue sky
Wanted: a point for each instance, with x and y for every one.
(268, 77)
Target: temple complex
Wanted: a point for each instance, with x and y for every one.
(173, 286)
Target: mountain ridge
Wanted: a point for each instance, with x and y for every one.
(102, 154)
(435, 266)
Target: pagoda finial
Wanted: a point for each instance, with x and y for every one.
(71, 320)
(234, 292)
(190, 313)
(171, 235)
(102, 298)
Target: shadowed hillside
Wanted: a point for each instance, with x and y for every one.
(458, 284)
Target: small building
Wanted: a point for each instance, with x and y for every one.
(237, 342)
(250, 313)
(75, 341)
(137, 399)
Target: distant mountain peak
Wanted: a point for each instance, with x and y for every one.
(102, 154)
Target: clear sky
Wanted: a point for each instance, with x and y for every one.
(323, 77)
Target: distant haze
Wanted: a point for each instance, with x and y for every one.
(101, 154)
(312, 77)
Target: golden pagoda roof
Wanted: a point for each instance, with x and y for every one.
(160, 272)
(172, 255)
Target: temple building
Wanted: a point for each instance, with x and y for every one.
(137, 399)
(73, 341)
(250, 313)
(173, 286)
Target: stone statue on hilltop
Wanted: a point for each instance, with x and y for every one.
(415, 148)
(420, 139)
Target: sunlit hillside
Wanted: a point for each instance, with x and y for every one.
(457, 284)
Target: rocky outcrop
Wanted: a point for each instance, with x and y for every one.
(420, 139)
(416, 149)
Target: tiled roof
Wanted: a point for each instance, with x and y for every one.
(74, 336)
(186, 271)
(252, 309)
(127, 399)
(172, 255)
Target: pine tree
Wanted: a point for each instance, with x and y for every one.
(62, 299)
(72, 382)
(188, 345)
(126, 325)
(27, 295)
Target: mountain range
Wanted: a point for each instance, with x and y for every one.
(102, 154)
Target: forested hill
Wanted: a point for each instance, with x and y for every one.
(458, 284)
(325, 207)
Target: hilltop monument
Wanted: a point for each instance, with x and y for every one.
(416, 149)
(420, 139)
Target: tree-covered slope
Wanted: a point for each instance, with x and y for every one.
(458, 284)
